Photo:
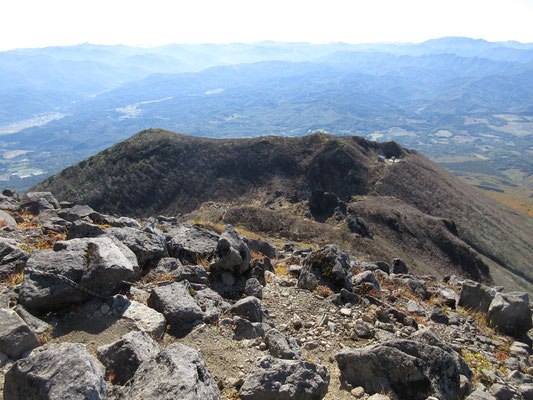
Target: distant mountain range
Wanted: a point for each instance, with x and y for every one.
(465, 103)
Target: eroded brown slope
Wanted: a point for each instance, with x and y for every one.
(442, 223)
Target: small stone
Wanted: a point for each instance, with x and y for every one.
(296, 321)
(358, 392)
(105, 309)
(346, 311)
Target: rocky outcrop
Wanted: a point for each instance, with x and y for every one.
(510, 313)
(16, 337)
(274, 379)
(176, 303)
(412, 370)
(98, 264)
(231, 254)
(191, 244)
(123, 357)
(178, 372)
(328, 266)
(56, 371)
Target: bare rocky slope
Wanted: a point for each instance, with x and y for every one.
(94, 306)
(317, 189)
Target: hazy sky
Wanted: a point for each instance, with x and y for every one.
(38, 23)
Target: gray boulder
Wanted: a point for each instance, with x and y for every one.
(368, 277)
(231, 254)
(276, 379)
(56, 224)
(178, 372)
(399, 266)
(411, 369)
(191, 244)
(100, 264)
(510, 313)
(140, 317)
(56, 371)
(83, 229)
(75, 213)
(476, 296)
(211, 303)
(176, 303)
(280, 347)
(6, 219)
(253, 288)
(327, 266)
(16, 337)
(9, 203)
(123, 357)
(35, 202)
(148, 247)
(12, 258)
(244, 329)
(249, 308)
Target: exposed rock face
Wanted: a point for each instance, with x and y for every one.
(56, 371)
(412, 370)
(148, 247)
(249, 308)
(328, 266)
(510, 313)
(12, 258)
(276, 379)
(190, 244)
(178, 372)
(231, 254)
(280, 347)
(476, 296)
(123, 357)
(16, 337)
(100, 264)
(35, 202)
(176, 303)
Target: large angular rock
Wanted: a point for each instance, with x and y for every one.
(249, 308)
(148, 247)
(35, 202)
(123, 357)
(16, 337)
(211, 303)
(176, 303)
(430, 337)
(83, 229)
(476, 296)
(411, 369)
(231, 254)
(368, 277)
(75, 213)
(327, 266)
(99, 264)
(56, 371)
(276, 379)
(143, 318)
(191, 244)
(9, 203)
(280, 347)
(12, 258)
(510, 313)
(178, 372)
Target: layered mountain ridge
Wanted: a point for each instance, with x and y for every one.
(313, 188)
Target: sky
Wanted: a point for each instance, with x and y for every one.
(40, 23)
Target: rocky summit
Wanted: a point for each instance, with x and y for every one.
(97, 306)
(371, 198)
